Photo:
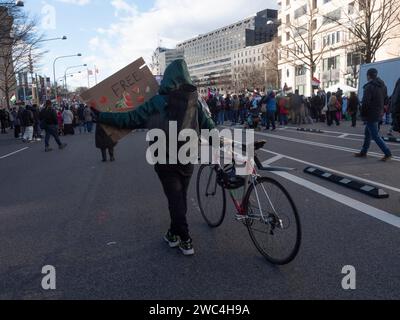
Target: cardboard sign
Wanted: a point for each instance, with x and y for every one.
(122, 92)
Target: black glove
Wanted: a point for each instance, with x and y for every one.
(96, 114)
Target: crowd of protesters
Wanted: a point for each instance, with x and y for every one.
(27, 125)
(265, 110)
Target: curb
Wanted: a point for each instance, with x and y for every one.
(369, 190)
(310, 130)
(391, 139)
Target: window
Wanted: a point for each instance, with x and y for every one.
(288, 19)
(287, 3)
(300, 71)
(333, 16)
(287, 36)
(314, 24)
(338, 36)
(315, 4)
(300, 11)
(331, 63)
(351, 8)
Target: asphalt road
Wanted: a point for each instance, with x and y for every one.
(101, 226)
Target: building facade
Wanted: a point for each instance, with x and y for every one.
(6, 23)
(209, 56)
(255, 67)
(162, 58)
(308, 26)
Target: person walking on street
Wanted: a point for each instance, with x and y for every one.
(28, 122)
(352, 108)
(68, 120)
(49, 122)
(104, 143)
(37, 130)
(177, 101)
(271, 111)
(395, 108)
(87, 113)
(296, 107)
(333, 107)
(375, 97)
(3, 120)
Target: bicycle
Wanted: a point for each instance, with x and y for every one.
(259, 208)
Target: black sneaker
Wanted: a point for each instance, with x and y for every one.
(63, 146)
(387, 158)
(360, 155)
(173, 240)
(48, 150)
(187, 247)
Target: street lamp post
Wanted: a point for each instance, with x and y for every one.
(31, 65)
(73, 67)
(54, 70)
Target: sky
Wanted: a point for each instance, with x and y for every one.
(112, 34)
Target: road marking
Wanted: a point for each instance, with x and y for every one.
(329, 169)
(322, 145)
(12, 153)
(347, 201)
(345, 136)
(335, 132)
(272, 160)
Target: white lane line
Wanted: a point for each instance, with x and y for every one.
(333, 170)
(347, 201)
(335, 132)
(12, 153)
(322, 145)
(344, 136)
(272, 160)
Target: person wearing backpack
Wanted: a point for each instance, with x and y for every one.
(177, 100)
(49, 122)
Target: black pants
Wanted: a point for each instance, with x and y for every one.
(354, 119)
(110, 152)
(3, 126)
(175, 186)
(332, 117)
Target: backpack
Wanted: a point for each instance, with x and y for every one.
(182, 108)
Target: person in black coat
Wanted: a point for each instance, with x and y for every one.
(104, 143)
(353, 107)
(375, 97)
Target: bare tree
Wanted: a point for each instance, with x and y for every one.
(18, 48)
(372, 23)
(303, 35)
(249, 77)
(271, 57)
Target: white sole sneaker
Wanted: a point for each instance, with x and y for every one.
(172, 245)
(187, 252)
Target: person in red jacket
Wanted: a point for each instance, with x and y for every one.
(283, 105)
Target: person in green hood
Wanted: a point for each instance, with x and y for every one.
(175, 178)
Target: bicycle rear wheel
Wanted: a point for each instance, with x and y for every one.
(211, 196)
(273, 221)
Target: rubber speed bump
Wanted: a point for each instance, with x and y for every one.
(310, 130)
(391, 139)
(369, 190)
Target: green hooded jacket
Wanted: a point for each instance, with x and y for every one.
(175, 75)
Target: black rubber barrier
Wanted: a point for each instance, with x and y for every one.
(391, 139)
(310, 130)
(350, 183)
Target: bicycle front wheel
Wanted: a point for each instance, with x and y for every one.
(273, 221)
(211, 196)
